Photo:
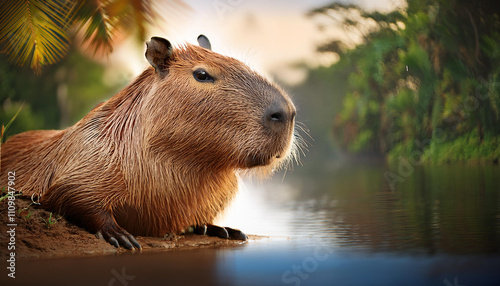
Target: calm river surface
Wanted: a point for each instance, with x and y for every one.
(350, 224)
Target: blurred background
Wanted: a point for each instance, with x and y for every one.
(400, 101)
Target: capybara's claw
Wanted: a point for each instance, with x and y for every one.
(236, 234)
(136, 244)
(218, 231)
(118, 236)
(113, 242)
(200, 230)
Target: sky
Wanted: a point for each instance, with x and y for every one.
(269, 36)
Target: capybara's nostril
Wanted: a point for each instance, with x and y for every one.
(277, 116)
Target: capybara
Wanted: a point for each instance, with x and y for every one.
(163, 154)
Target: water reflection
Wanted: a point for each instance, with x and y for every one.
(342, 226)
(444, 209)
(260, 265)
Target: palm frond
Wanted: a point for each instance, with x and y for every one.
(35, 30)
(143, 12)
(104, 20)
(147, 13)
(99, 24)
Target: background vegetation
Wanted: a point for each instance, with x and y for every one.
(423, 82)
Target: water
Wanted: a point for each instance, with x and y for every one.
(346, 225)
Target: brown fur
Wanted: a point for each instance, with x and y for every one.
(161, 155)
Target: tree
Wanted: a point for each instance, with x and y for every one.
(427, 71)
(39, 31)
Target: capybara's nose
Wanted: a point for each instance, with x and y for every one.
(279, 115)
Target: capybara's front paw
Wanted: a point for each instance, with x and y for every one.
(218, 231)
(117, 236)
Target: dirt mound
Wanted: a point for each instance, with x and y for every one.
(33, 232)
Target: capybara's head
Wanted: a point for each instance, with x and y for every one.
(205, 110)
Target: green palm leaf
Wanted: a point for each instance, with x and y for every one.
(99, 22)
(35, 31)
(103, 19)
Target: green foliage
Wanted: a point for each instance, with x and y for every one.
(7, 126)
(50, 221)
(40, 31)
(466, 149)
(86, 85)
(431, 69)
(6, 195)
(35, 31)
(44, 107)
(20, 87)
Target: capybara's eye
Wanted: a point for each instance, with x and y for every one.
(202, 75)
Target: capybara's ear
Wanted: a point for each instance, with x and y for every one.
(204, 42)
(158, 54)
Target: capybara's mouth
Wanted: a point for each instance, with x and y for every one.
(273, 157)
(261, 160)
(257, 161)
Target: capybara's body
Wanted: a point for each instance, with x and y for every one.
(163, 154)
